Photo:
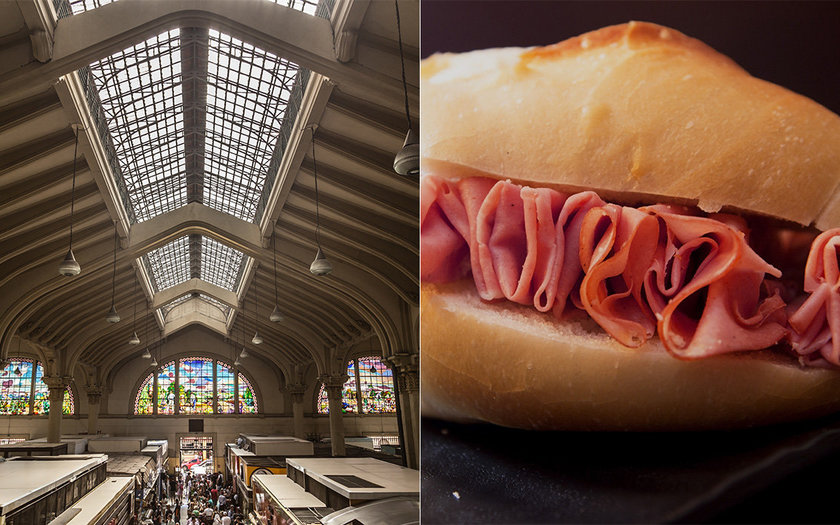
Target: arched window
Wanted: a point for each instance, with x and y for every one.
(371, 381)
(247, 399)
(195, 385)
(225, 385)
(23, 391)
(166, 389)
(145, 394)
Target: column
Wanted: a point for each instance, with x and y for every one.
(94, 394)
(407, 383)
(56, 385)
(296, 392)
(333, 386)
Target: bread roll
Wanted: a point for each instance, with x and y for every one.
(639, 113)
(510, 365)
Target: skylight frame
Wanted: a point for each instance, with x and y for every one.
(140, 92)
(309, 7)
(170, 264)
(248, 97)
(220, 264)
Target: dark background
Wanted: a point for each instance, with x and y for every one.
(794, 44)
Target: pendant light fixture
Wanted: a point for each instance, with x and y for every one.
(320, 266)
(407, 161)
(134, 339)
(276, 315)
(113, 316)
(257, 340)
(154, 359)
(69, 267)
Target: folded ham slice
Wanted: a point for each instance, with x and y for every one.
(815, 319)
(692, 279)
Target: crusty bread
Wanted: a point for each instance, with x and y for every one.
(510, 365)
(637, 112)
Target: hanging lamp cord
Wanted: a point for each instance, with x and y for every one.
(114, 278)
(317, 202)
(274, 253)
(134, 299)
(73, 191)
(402, 64)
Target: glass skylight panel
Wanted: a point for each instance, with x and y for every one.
(307, 6)
(170, 263)
(247, 96)
(219, 263)
(140, 92)
(80, 6)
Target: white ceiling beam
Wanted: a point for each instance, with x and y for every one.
(39, 16)
(195, 285)
(194, 218)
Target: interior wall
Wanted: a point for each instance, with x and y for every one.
(197, 340)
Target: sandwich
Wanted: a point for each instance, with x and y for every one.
(626, 231)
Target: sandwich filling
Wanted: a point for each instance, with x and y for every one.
(690, 278)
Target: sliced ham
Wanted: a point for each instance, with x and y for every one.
(664, 269)
(815, 320)
(712, 295)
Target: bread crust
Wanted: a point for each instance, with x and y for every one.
(510, 365)
(639, 113)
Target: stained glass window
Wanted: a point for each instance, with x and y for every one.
(247, 399)
(224, 389)
(193, 380)
(68, 407)
(41, 399)
(372, 382)
(323, 401)
(376, 385)
(166, 389)
(143, 404)
(196, 385)
(16, 387)
(348, 393)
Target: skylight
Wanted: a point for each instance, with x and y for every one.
(220, 264)
(248, 91)
(140, 93)
(307, 6)
(170, 264)
(194, 115)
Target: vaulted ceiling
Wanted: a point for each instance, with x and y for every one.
(195, 122)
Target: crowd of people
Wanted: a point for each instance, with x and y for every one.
(195, 499)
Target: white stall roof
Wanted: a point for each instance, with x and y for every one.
(88, 509)
(24, 479)
(393, 480)
(287, 492)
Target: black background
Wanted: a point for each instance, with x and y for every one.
(794, 44)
